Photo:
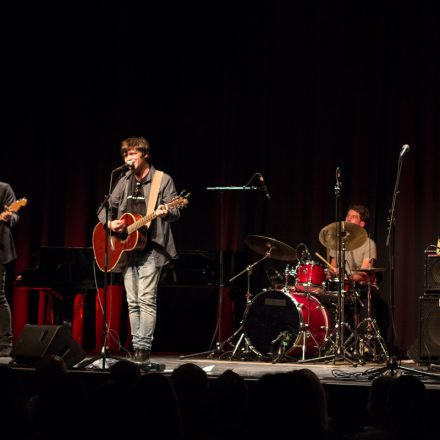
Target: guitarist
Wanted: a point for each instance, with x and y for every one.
(142, 269)
(7, 254)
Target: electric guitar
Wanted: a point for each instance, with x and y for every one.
(132, 238)
(16, 206)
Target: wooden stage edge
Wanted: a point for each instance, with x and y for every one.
(329, 372)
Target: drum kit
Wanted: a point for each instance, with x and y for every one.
(301, 319)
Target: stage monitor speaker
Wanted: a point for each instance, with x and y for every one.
(427, 345)
(432, 273)
(37, 341)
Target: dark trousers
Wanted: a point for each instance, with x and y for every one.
(5, 316)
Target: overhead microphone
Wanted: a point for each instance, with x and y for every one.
(263, 185)
(404, 150)
(126, 166)
(306, 253)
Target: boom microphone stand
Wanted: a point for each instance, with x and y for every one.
(392, 364)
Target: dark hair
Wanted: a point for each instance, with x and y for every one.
(362, 210)
(138, 143)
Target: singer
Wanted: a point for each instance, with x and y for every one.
(143, 267)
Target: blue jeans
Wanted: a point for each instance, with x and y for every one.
(5, 317)
(140, 280)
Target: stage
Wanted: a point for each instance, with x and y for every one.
(329, 371)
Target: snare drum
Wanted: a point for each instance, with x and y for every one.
(331, 290)
(272, 312)
(332, 286)
(310, 276)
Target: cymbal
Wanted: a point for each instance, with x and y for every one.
(353, 235)
(370, 269)
(278, 250)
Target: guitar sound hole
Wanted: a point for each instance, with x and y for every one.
(123, 235)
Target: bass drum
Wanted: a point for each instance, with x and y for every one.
(273, 313)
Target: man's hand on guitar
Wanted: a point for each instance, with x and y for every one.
(5, 216)
(162, 210)
(116, 225)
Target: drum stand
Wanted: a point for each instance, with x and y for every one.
(240, 331)
(354, 333)
(305, 330)
(371, 336)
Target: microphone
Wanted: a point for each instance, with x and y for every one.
(338, 176)
(124, 167)
(306, 254)
(263, 185)
(404, 150)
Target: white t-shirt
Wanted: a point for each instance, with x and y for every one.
(354, 258)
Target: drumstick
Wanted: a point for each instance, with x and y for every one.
(326, 262)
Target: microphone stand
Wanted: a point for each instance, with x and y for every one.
(219, 345)
(392, 363)
(248, 302)
(339, 351)
(103, 356)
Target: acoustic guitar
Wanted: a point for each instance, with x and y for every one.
(131, 239)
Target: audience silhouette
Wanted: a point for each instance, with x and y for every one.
(187, 405)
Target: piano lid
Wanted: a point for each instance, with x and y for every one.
(64, 268)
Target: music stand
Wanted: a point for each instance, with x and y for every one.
(219, 345)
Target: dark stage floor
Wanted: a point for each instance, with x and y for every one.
(329, 372)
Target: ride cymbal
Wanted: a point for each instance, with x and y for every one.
(352, 235)
(278, 250)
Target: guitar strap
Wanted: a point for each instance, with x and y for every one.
(154, 192)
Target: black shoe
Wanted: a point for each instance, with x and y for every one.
(129, 356)
(142, 356)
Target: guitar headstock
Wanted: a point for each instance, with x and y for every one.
(15, 206)
(181, 201)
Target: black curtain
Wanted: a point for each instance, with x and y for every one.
(222, 91)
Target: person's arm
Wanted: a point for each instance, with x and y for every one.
(114, 201)
(363, 277)
(11, 218)
(168, 194)
(333, 270)
(368, 261)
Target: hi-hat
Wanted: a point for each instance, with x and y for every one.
(370, 269)
(278, 250)
(352, 235)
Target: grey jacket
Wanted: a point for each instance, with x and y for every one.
(7, 247)
(161, 235)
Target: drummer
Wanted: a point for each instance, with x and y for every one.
(362, 257)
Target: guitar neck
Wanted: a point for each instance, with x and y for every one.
(178, 202)
(141, 222)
